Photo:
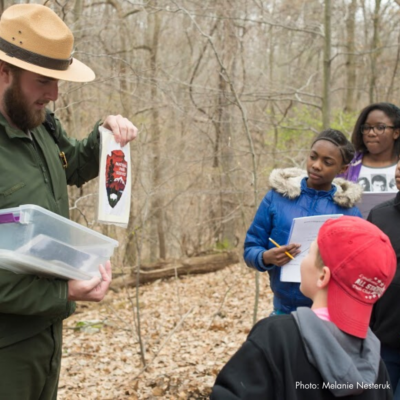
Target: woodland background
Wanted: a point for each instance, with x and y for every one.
(222, 92)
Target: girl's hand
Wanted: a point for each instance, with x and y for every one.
(277, 256)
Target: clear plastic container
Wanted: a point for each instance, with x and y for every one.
(35, 240)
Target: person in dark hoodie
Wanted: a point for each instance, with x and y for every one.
(328, 351)
(385, 321)
(298, 193)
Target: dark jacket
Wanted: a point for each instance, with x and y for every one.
(291, 198)
(385, 321)
(32, 173)
(283, 360)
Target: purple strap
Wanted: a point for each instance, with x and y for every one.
(8, 218)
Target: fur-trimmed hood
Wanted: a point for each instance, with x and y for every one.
(287, 182)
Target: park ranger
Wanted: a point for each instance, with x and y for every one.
(37, 162)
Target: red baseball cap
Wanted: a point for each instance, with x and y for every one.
(362, 264)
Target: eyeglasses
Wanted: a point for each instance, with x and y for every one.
(379, 129)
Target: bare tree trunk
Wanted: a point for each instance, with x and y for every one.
(226, 132)
(75, 121)
(77, 38)
(374, 51)
(228, 225)
(157, 202)
(271, 61)
(351, 59)
(396, 66)
(171, 268)
(326, 97)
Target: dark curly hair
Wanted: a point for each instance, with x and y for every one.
(339, 140)
(392, 112)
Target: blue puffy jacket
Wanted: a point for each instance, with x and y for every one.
(291, 198)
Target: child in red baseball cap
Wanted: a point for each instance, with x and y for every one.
(328, 351)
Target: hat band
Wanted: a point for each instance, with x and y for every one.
(37, 59)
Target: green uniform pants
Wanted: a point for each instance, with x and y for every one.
(29, 369)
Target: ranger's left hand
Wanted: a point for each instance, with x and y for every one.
(123, 129)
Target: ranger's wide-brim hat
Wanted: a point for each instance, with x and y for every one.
(36, 39)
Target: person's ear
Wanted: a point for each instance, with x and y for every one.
(324, 278)
(396, 133)
(5, 72)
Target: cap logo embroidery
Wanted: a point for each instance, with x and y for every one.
(371, 287)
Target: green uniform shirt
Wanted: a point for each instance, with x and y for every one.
(32, 173)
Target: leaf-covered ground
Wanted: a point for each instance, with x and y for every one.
(189, 328)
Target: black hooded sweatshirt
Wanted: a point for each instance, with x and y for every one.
(385, 321)
(301, 357)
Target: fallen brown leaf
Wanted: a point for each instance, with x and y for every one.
(190, 327)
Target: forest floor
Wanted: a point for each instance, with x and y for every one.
(189, 328)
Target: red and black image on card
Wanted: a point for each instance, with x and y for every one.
(116, 175)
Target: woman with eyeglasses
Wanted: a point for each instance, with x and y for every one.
(376, 140)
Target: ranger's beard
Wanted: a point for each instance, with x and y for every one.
(18, 110)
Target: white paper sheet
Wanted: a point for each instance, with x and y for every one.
(303, 231)
(114, 200)
(371, 199)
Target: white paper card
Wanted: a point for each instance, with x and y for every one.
(371, 199)
(114, 199)
(303, 231)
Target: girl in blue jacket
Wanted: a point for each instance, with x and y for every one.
(296, 193)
